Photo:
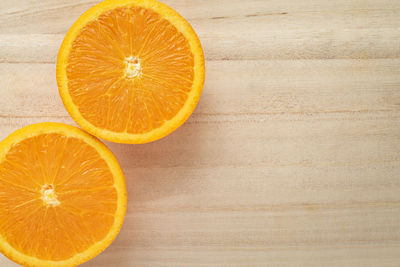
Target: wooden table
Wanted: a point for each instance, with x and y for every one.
(292, 157)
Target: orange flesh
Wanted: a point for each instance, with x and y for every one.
(130, 70)
(57, 197)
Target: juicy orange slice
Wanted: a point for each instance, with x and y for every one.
(62, 196)
(130, 71)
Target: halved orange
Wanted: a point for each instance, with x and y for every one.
(62, 196)
(130, 71)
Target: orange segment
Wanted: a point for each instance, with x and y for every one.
(130, 71)
(62, 196)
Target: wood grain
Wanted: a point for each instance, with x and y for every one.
(292, 157)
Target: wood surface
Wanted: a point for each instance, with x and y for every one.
(292, 157)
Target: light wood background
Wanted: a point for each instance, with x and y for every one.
(292, 157)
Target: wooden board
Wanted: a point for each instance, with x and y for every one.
(292, 157)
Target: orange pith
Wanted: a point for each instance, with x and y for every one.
(126, 69)
(58, 196)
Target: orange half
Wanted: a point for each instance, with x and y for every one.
(130, 71)
(62, 196)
